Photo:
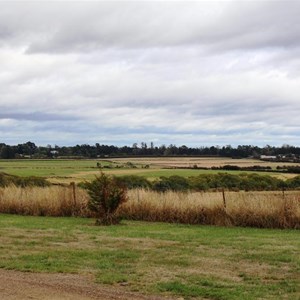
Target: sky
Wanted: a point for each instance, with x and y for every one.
(196, 73)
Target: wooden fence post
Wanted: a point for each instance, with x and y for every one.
(224, 199)
(73, 187)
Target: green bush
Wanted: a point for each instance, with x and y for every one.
(174, 183)
(259, 182)
(293, 183)
(106, 195)
(134, 181)
(203, 182)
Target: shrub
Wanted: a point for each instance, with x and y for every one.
(174, 183)
(232, 182)
(198, 183)
(106, 195)
(293, 183)
(134, 181)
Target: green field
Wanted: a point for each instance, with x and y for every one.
(79, 170)
(46, 168)
(55, 170)
(187, 261)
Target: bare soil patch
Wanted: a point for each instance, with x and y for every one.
(19, 285)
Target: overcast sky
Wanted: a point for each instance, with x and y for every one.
(118, 72)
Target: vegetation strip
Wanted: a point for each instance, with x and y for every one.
(255, 209)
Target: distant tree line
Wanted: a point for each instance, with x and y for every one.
(30, 150)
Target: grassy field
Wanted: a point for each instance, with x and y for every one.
(186, 261)
(47, 168)
(79, 170)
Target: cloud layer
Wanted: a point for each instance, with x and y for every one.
(195, 73)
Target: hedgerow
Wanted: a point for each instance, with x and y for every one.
(205, 182)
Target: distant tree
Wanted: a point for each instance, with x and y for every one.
(29, 148)
(7, 152)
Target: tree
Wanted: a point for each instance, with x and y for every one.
(7, 152)
(106, 195)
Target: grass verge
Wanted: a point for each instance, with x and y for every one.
(157, 258)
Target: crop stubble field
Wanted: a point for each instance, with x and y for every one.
(174, 260)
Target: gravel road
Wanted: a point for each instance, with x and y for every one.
(23, 285)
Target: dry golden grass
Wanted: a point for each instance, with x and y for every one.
(256, 209)
(49, 201)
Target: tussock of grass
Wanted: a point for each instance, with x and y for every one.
(253, 209)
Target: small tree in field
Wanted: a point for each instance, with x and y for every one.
(106, 195)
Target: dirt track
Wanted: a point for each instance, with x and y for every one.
(18, 285)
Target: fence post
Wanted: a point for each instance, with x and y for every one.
(224, 199)
(73, 187)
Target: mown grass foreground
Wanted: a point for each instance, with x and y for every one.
(169, 259)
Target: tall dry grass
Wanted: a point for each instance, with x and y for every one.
(255, 209)
(190, 208)
(49, 201)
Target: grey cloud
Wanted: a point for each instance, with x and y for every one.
(36, 116)
(80, 26)
(264, 24)
(171, 72)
